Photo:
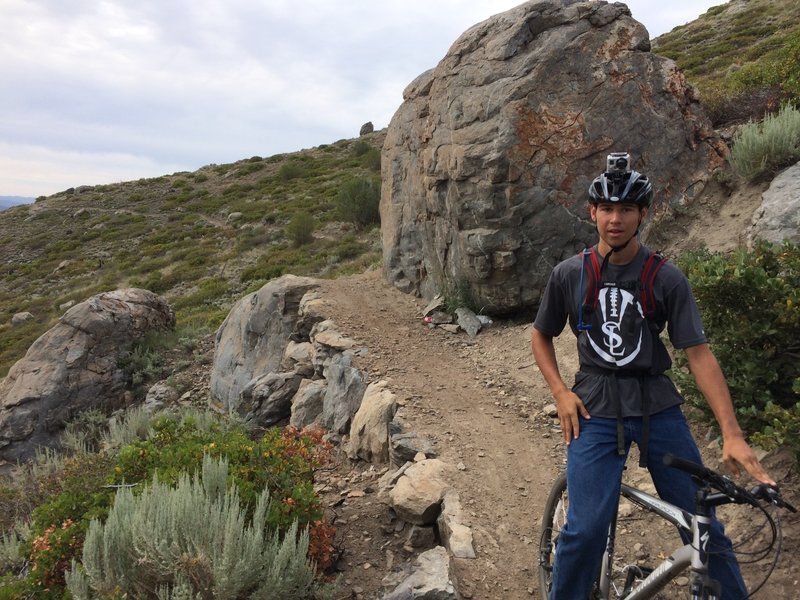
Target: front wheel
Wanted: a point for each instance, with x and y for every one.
(553, 519)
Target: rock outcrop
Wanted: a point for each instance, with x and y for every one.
(252, 340)
(278, 358)
(75, 366)
(778, 217)
(486, 163)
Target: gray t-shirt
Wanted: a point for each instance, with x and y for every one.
(620, 338)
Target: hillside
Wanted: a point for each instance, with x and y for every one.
(743, 56)
(200, 239)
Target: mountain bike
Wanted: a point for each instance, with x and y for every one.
(636, 582)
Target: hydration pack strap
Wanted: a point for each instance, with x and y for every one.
(650, 269)
(591, 282)
(644, 391)
(589, 286)
(641, 377)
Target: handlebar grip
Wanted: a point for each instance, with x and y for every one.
(688, 466)
(726, 486)
(709, 477)
(772, 495)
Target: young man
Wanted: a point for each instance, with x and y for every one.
(621, 394)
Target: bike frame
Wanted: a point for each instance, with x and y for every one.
(694, 555)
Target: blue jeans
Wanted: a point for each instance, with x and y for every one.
(594, 473)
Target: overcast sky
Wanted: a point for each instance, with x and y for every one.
(101, 91)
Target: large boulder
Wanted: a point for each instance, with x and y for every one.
(252, 340)
(487, 161)
(75, 366)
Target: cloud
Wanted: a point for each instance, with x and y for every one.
(179, 84)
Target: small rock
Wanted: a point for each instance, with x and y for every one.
(21, 318)
(468, 321)
(433, 305)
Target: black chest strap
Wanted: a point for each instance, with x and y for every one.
(644, 389)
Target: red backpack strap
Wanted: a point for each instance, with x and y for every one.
(650, 269)
(590, 285)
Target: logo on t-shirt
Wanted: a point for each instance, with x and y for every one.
(616, 333)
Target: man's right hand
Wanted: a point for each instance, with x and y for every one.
(570, 407)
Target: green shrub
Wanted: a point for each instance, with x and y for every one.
(59, 523)
(128, 427)
(372, 159)
(141, 365)
(750, 304)
(779, 67)
(460, 295)
(360, 147)
(152, 542)
(71, 492)
(762, 149)
(300, 229)
(85, 433)
(15, 342)
(358, 201)
(208, 291)
(349, 247)
(280, 460)
(251, 167)
(261, 272)
(12, 555)
(782, 427)
(291, 170)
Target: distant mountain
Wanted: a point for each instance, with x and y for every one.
(8, 201)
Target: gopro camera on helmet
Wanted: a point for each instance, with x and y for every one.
(618, 162)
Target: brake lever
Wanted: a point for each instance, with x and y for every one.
(772, 494)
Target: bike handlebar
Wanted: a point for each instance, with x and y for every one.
(767, 493)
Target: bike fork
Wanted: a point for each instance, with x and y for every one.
(604, 581)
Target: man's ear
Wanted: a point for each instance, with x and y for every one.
(593, 212)
(643, 214)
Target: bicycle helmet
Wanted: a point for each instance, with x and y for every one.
(631, 187)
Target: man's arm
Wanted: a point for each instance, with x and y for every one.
(711, 382)
(568, 404)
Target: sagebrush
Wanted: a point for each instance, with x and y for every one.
(150, 546)
(762, 149)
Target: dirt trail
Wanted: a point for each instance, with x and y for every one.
(482, 402)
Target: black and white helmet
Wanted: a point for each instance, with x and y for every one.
(630, 187)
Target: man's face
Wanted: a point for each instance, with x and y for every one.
(617, 222)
